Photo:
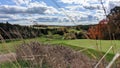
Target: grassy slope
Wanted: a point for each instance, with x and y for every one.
(95, 49)
(90, 46)
(79, 44)
(102, 45)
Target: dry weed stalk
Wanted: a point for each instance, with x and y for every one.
(53, 56)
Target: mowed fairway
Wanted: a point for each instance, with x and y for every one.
(101, 45)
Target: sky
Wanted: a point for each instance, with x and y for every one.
(54, 12)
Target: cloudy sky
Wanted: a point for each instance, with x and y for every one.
(54, 12)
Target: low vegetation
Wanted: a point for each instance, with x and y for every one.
(40, 55)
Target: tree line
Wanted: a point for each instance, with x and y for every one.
(14, 31)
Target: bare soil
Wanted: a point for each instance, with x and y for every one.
(7, 57)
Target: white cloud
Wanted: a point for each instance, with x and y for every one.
(51, 10)
(31, 12)
(75, 7)
(78, 1)
(6, 16)
(37, 4)
(33, 8)
(93, 6)
(113, 3)
(5, 9)
(19, 2)
(78, 10)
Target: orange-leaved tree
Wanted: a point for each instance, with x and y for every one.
(98, 31)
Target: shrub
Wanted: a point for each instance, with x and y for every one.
(69, 36)
(38, 54)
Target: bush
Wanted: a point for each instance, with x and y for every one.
(52, 56)
(69, 36)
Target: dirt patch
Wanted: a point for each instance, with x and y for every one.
(7, 57)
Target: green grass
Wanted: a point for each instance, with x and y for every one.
(93, 46)
(7, 46)
(102, 45)
(22, 64)
(88, 46)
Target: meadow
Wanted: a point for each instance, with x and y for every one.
(82, 45)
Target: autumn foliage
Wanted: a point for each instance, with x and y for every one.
(97, 32)
(108, 28)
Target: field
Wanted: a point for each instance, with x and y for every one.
(95, 49)
(78, 44)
